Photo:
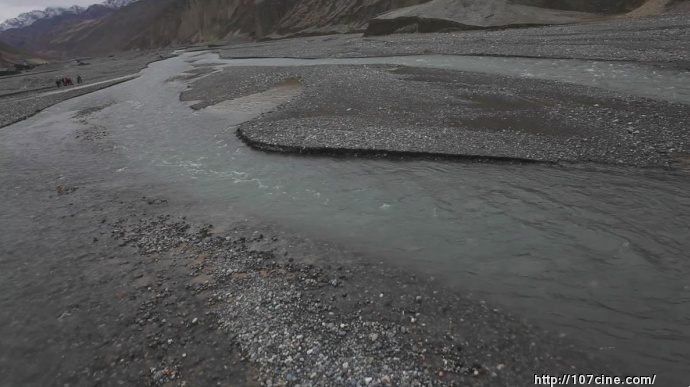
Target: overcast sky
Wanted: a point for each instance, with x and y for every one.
(12, 8)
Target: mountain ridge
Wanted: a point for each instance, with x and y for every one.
(152, 24)
(28, 18)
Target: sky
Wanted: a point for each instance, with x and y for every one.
(12, 8)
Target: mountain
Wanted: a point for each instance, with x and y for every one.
(195, 21)
(99, 30)
(9, 56)
(159, 23)
(117, 3)
(28, 18)
(50, 36)
(119, 25)
(451, 15)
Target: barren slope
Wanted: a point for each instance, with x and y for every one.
(439, 15)
(10, 55)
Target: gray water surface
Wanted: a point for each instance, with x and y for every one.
(598, 254)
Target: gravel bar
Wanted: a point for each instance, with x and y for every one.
(662, 41)
(432, 113)
(350, 324)
(394, 111)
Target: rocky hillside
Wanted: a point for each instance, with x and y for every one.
(209, 20)
(160, 23)
(44, 35)
(452, 15)
(101, 29)
(9, 56)
(591, 6)
(28, 18)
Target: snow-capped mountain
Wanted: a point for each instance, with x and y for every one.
(117, 3)
(28, 18)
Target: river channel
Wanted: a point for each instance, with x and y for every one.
(596, 253)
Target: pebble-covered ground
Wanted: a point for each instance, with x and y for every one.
(661, 40)
(412, 112)
(343, 324)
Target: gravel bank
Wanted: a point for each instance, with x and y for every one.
(347, 324)
(661, 40)
(414, 112)
(435, 113)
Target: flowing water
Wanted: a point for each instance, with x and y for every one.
(595, 253)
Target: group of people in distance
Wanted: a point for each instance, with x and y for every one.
(67, 81)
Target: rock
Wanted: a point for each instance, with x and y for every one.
(158, 376)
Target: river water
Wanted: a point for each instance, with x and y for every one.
(595, 253)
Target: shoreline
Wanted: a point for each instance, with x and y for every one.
(377, 153)
(20, 109)
(42, 102)
(314, 323)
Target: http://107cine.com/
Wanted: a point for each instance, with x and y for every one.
(593, 380)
